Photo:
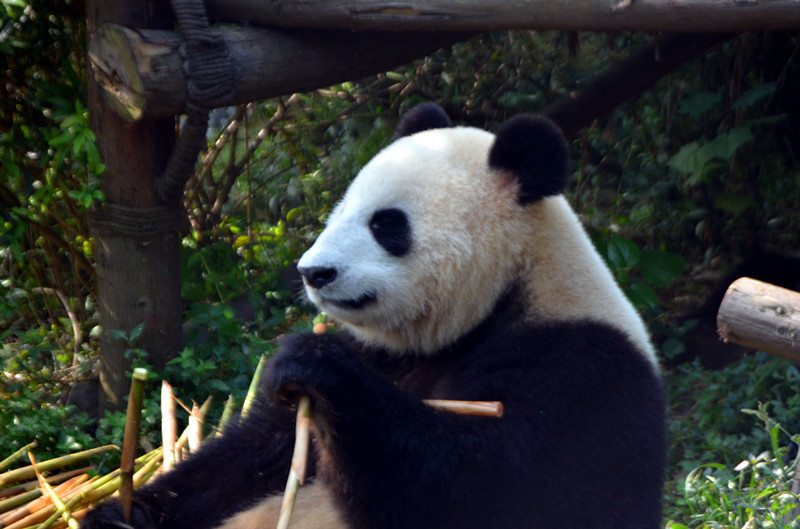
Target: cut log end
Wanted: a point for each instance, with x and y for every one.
(761, 316)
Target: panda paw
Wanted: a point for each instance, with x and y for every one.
(320, 366)
(109, 515)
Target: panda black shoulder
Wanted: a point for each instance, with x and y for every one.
(533, 148)
(425, 116)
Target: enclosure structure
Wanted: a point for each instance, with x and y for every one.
(144, 73)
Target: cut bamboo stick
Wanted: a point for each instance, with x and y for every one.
(168, 425)
(132, 422)
(467, 407)
(297, 472)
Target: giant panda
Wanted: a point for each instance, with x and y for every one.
(456, 269)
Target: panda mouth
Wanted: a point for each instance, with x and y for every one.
(354, 304)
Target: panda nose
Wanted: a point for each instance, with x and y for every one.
(317, 276)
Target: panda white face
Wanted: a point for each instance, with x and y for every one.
(402, 254)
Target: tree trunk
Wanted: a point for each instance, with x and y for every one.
(136, 239)
(479, 15)
(761, 316)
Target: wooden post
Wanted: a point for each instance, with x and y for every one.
(699, 16)
(141, 71)
(761, 316)
(138, 271)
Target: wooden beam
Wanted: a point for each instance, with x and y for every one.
(761, 316)
(479, 15)
(142, 76)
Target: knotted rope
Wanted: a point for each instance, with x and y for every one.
(210, 75)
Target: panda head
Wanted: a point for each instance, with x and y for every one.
(432, 230)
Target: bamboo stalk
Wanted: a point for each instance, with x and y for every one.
(15, 501)
(168, 425)
(35, 511)
(252, 391)
(25, 473)
(31, 485)
(67, 507)
(467, 407)
(13, 457)
(132, 421)
(59, 505)
(184, 438)
(227, 413)
(195, 428)
(297, 471)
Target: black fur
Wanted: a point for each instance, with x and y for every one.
(534, 149)
(391, 229)
(581, 442)
(425, 116)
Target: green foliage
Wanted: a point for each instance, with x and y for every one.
(50, 171)
(59, 429)
(28, 407)
(707, 425)
(640, 272)
(754, 493)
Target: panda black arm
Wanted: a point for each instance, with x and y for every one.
(249, 461)
(584, 423)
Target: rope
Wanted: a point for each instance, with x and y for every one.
(115, 219)
(211, 76)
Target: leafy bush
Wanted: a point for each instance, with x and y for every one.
(712, 428)
(756, 493)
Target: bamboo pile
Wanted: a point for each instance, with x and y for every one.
(29, 500)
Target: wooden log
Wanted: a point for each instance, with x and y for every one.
(141, 71)
(478, 15)
(761, 316)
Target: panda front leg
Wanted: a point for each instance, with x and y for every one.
(228, 474)
(388, 460)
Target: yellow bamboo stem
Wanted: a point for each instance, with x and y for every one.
(297, 472)
(25, 473)
(132, 422)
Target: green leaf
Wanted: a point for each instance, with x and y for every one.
(690, 159)
(61, 139)
(734, 203)
(727, 143)
(755, 95)
(660, 268)
(642, 296)
(136, 332)
(700, 103)
(622, 253)
(672, 347)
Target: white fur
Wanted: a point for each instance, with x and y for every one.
(313, 509)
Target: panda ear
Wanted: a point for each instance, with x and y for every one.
(422, 117)
(533, 148)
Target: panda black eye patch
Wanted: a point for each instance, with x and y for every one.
(391, 229)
